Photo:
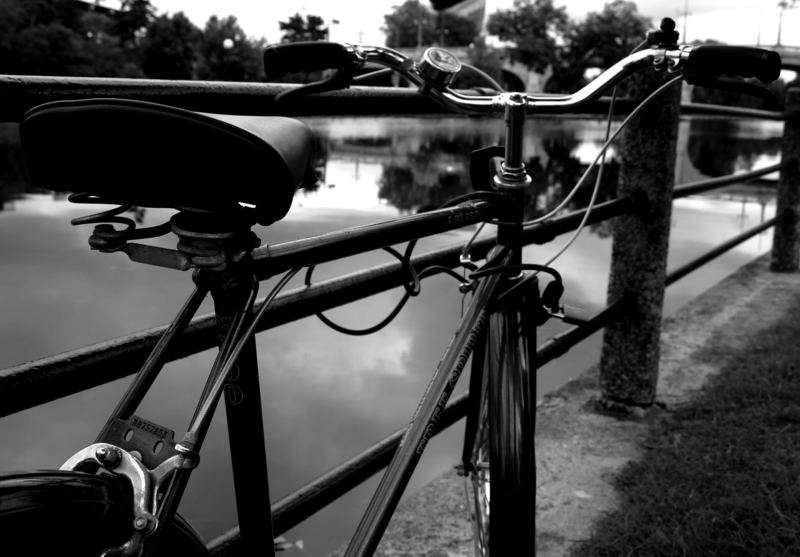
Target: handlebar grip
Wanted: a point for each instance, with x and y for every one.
(304, 56)
(709, 61)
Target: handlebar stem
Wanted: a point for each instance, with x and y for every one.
(511, 173)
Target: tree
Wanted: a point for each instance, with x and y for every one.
(454, 30)
(60, 37)
(132, 19)
(413, 24)
(38, 36)
(487, 59)
(65, 37)
(601, 40)
(410, 24)
(226, 53)
(169, 47)
(296, 29)
(100, 52)
(534, 28)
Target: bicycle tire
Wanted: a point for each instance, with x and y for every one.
(55, 512)
(502, 471)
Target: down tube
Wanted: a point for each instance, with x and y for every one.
(419, 431)
(511, 354)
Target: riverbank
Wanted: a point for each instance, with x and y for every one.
(587, 461)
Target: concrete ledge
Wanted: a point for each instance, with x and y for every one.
(579, 450)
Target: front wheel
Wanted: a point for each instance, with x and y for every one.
(502, 468)
(72, 513)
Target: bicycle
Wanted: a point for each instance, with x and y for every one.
(119, 495)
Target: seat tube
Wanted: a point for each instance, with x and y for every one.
(245, 419)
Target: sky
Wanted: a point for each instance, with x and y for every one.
(732, 21)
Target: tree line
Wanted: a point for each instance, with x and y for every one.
(66, 37)
(535, 33)
(69, 37)
(543, 38)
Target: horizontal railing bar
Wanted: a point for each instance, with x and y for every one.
(793, 66)
(296, 507)
(701, 186)
(702, 109)
(19, 93)
(549, 230)
(684, 270)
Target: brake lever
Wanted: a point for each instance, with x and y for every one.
(742, 87)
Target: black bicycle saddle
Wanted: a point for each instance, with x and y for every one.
(152, 155)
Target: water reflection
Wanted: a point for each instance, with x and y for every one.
(718, 147)
(326, 397)
(423, 171)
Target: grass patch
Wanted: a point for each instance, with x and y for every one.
(719, 476)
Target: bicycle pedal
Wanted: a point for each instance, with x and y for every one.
(151, 443)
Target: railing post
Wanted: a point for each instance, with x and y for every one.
(629, 360)
(786, 239)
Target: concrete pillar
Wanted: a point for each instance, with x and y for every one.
(786, 240)
(629, 360)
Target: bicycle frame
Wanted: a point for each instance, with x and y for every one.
(160, 464)
(234, 373)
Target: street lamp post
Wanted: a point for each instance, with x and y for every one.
(328, 30)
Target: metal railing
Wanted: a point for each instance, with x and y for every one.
(30, 384)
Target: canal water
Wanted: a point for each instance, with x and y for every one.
(328, 396)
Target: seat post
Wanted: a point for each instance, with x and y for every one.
(219, 247)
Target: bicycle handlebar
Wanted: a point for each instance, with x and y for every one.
(433, 74)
